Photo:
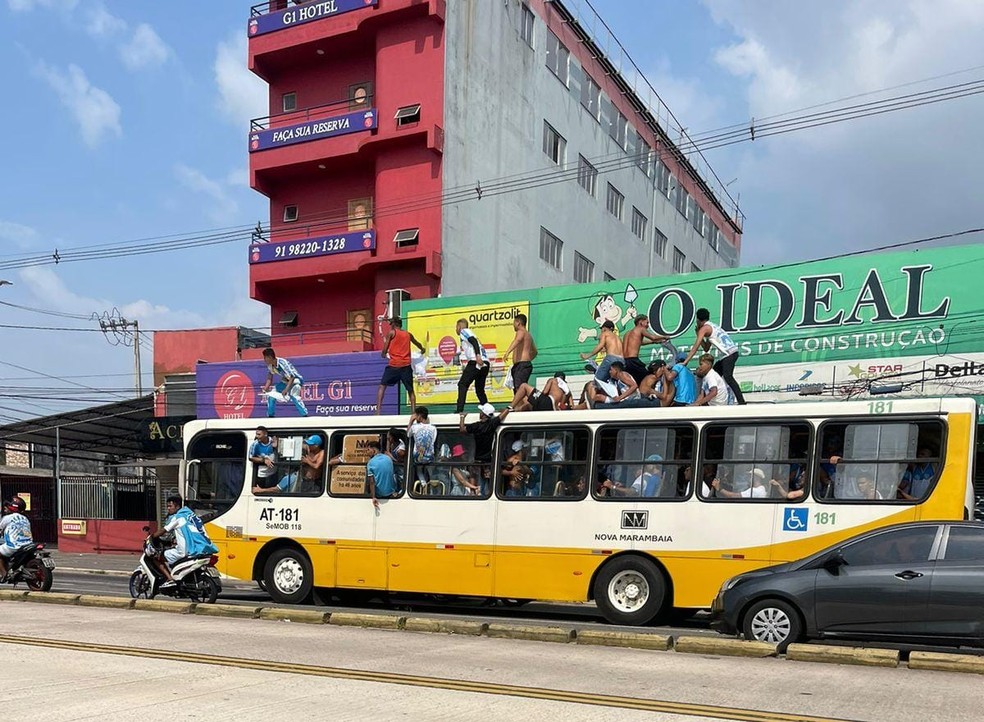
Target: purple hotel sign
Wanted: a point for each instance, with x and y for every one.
(335, 385)
(313, 247)
(305, 13)
(313, 130)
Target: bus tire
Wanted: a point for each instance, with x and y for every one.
(630, 590)
(288, 576)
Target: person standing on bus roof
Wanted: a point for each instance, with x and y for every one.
(634, 340)
(714, 391)
(611, 344)
(475, 369)
(710, 334)
(525, 351)
(398, 370)
(290, 385)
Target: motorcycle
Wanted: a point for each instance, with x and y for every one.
(195, 577)
(32, 565)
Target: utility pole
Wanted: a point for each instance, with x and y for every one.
(120, 328)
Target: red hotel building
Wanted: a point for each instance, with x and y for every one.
(458, 146)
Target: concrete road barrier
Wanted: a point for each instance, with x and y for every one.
(53, 597)
(946, 662)
(91, 600)
(635, 640)
(724, 646)
(536, 634)
(163, 605)
(227, 610)
(445, 626)
(843, 655)
(301, 616)
(375, 621)
(13, 595)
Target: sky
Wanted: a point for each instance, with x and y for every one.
(127, 121)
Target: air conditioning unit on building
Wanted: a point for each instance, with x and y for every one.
(395, 298)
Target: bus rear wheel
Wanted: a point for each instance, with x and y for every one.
(288, 576)
(630, 590)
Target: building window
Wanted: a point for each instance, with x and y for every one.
(558, 58)
(663, 178)
(408, 115)
(713, 236)
(407, 238)
(639, 224)
(554, 145)
(360, 95)
(289, 101)
(583, 269)
(609, 277)
(587, 175)
(360, 214)
(644, 158)
(615, 201)
(679, 260)
(551, 248)
(694, 268)
(696, 215)
(618, 126)
(290, 214)
(358, 326)
(526, 20)
(591, 97)
(682, 200)
(659, 243)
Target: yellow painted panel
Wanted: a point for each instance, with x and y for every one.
(361, 568)
(439, 571)
(527, 574)
(323, 558)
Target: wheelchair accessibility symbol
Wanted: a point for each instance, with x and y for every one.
(795, 519)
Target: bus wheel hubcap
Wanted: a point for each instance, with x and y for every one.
(770, 625)
(628, 591)
(288, 575)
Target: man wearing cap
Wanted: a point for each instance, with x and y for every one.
(312, 463)
(758, 487)
(483, 431)
(649, 482)
(398, 370)
(683, 380)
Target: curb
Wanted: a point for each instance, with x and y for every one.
(843, 655)
(635, 640)
(724, 646)
(537, 634)
(375, 621)
(103, 572)
(875, 657)
(940, 662)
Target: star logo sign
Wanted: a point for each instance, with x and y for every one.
(855, 371)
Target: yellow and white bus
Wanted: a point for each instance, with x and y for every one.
(641, 511)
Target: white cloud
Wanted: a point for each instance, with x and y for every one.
(102, 23)
(221, 206)
(145, 49)
(17, 234)
(242, 95)
(27, 5)
(97, 114)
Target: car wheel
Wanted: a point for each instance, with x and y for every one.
(773, 621)
(630, 590)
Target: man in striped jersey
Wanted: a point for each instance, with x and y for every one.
(288, 388)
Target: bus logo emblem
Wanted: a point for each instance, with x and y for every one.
(635, 519)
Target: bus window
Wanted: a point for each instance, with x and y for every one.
(216, 472)
(454, 472)
(296, 467)
(653, 462)
(348, 455)
(879, 461)
(544, 463)
(755, 462)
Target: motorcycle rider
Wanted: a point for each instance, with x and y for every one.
(189, 536)
(16, 530)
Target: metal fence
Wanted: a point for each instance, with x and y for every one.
(107, 497)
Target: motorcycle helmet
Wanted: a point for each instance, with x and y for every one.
(14, 505)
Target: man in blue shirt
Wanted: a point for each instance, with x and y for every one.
(379, 472)
(289, 387)
(684, 381)
(16, 531)
(190, 538)
(917, 478)
(263, 453)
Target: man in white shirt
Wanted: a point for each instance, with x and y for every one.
(714, 390)
(474, 365)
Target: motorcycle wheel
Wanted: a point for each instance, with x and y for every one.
(206, 589)
(140, 586)
(37, 576)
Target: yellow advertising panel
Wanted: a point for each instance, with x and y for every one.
(435, 328)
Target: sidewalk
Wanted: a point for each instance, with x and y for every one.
(111, 564)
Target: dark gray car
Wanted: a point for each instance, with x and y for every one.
(921, 582)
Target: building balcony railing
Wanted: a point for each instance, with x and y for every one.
(340, 117)
(273, 15)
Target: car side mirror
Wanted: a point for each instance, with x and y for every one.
(834, 561)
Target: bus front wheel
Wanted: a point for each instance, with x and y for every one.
(630, 590)
(288, 577)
